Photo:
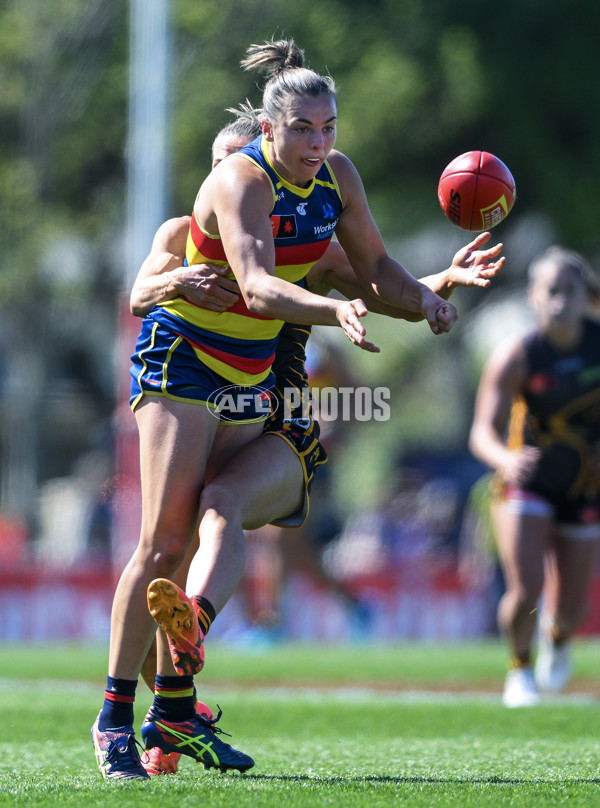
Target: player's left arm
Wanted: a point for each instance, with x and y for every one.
(153, 281)
(164, 275)
(471, 267)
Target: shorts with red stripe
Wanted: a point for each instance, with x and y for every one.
(165, 364)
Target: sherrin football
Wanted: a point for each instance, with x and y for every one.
(476, 191)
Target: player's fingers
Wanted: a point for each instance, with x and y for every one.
(225, 295)
(228, 285)
(479, 241)
(220, 270)
(361, 342)
(354, 321)
(369, 346)
(359, 307)
(443, 326)
(446, 316)
(492, 252)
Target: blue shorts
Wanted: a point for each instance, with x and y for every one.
(165, 364)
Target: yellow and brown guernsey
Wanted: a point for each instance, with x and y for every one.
(559, 412)
(237, 344)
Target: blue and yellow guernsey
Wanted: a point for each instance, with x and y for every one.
(237, 344)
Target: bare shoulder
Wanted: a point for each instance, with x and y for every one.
(507, 362)
(343, 168)
(172, 234)
(347, 176)
(175, 225)
(237, 169)
(340, 161)
(230, 184)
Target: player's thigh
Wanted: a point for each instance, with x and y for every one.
(175, 442)
(575, 566)
(229, 440)
(267, 478)
(522, 543)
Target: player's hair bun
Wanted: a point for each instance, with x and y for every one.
(273, 57)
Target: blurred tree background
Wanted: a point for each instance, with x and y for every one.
(418, 84)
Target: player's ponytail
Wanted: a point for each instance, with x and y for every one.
(282, 62)
(273, 57)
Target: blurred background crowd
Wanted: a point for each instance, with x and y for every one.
(398, 543)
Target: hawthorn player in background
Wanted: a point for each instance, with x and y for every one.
(546, 505)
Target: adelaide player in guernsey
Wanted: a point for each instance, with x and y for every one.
(185, 353)
(289, 450)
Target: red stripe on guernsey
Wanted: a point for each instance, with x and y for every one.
(211, 248)
(253, 366)
(121, 699)
(300, 254)
(237, 308)
(241, 308)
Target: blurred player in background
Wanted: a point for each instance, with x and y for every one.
(546, 509)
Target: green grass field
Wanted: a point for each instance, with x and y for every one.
(354, 726)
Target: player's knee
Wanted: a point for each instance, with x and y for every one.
(165, 551)
(221, 500)
(528, 600)
(523, 600)
(168, 561)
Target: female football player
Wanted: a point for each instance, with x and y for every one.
(546, 388)
(269, 214)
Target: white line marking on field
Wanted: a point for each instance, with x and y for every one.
(285, 693)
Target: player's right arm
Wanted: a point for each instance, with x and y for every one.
(163, 276)
(235, 203)
(502, 380)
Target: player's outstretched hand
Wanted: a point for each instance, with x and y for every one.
(348, 314)
(472, 266)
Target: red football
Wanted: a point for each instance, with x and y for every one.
(476, 191)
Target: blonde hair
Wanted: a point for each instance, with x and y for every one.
(283, 63)
(246, 124)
